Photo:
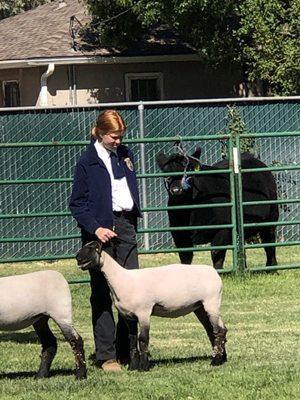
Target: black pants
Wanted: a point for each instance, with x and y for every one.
(112, 341)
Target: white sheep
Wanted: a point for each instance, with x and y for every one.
(168, 291)
(33, 298)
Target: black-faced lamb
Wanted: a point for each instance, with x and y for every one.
(167, 291)
(33, 298)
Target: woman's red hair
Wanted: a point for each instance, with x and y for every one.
(109, 121)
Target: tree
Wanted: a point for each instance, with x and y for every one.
(261, 35)
(9, 8)
(271, 45)
(205, 24)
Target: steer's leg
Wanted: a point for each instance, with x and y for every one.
(183, 239)
(221, 238)
(268, 235)
(49, 346)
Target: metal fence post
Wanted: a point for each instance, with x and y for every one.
(238, 191)
(143, 171)
(233, 208)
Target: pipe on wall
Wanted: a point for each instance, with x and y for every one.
(43, 96)
(72, 85)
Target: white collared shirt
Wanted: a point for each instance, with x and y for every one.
(121, 196)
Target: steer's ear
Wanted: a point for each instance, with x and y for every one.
(161, 160)
(197, 153)
(194, 159)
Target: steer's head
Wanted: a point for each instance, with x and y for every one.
(89, 256)
(180, 162)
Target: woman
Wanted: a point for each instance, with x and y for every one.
(105, 204)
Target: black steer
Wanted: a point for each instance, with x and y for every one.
(215, 188)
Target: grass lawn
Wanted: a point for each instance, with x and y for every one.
(261, 311)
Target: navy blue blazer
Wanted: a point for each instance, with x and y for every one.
(91, 199)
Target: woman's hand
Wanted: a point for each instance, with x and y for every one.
(105, 234)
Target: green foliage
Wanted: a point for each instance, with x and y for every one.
(271, 49)
(9, 8)
(261, 35)
(208, 25)
(113, 23)
(205, 24)
(237, 126)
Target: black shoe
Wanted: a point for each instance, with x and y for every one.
(123, 359)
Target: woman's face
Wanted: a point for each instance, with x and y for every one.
(112, 140)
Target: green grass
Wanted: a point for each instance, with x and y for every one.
(261, 311)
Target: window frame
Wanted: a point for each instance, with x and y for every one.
(129, 77)
(4, 82)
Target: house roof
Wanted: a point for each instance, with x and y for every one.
(42, 32)
(45, 33)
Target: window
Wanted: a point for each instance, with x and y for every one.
(144, 86)
(11, 93)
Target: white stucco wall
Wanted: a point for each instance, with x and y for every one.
(99, 83)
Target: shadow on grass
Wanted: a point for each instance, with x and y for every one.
(31, 374)
(19, 337)
(165, 361)
(24, 337)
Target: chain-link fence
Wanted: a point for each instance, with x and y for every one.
(39, 149)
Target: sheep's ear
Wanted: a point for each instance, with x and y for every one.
(161, 160)
(99, 247)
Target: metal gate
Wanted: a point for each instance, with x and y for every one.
(39, 148)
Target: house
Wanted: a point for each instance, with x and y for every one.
(44, 62)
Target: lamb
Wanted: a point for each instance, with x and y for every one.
(167, 291)
(33, 298)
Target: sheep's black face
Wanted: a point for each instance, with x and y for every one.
(89, 255)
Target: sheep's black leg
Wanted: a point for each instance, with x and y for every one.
(133, 346)
(76, 343)
(134, 353)
(219, 355)
(49, 346)
(144, 344)
(202, 316)
(219, 352)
